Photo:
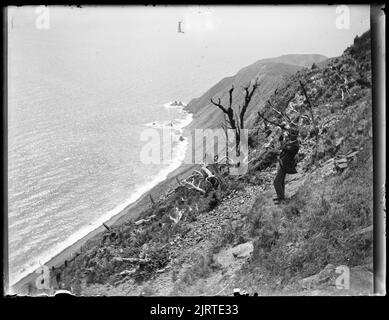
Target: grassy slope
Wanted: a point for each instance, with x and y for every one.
(318, 226)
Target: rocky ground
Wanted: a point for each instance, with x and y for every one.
(208, 242)
(202, 237)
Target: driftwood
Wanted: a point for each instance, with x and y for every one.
(163, 270)
(208, 172)
(204, 174)
(128, 272)
(192, 184)
(141, 221)
(132, 260)
(137, 223)
(106, 227)
(198, 173)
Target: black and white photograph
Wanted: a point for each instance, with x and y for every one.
(194, 150)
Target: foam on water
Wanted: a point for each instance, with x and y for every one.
(177, 124)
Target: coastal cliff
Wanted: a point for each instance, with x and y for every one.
(207, 243)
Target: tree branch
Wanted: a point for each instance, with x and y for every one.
(313, 118)
(283, 115)
(271, 122)
(309, 103)
(191, 184)
(229, 112)
(230, 95)
(219, 105)
(248, 95)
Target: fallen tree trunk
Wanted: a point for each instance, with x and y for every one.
(132, 260)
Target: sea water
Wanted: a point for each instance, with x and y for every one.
(78, 100)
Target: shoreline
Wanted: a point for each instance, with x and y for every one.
(130, 212)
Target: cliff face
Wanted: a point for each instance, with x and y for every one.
(208, 243)
(271, 74)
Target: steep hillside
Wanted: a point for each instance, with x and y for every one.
(303, 60)
(270, 73)
(228, 233)
(327, 221)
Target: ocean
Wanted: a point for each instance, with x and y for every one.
(79, 96)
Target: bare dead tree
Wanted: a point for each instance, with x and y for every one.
(236, 121)
(225, 128)
(228, 111)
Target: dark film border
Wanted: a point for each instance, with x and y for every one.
(377, 17)
(377, 25)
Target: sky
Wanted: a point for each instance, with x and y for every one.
(266, 30)
(217, 39)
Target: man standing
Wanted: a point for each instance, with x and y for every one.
(286, 162)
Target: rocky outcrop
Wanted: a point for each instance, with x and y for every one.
(177, 104)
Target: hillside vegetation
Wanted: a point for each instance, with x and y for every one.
(232, 235)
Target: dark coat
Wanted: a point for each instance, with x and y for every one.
(287, 157)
